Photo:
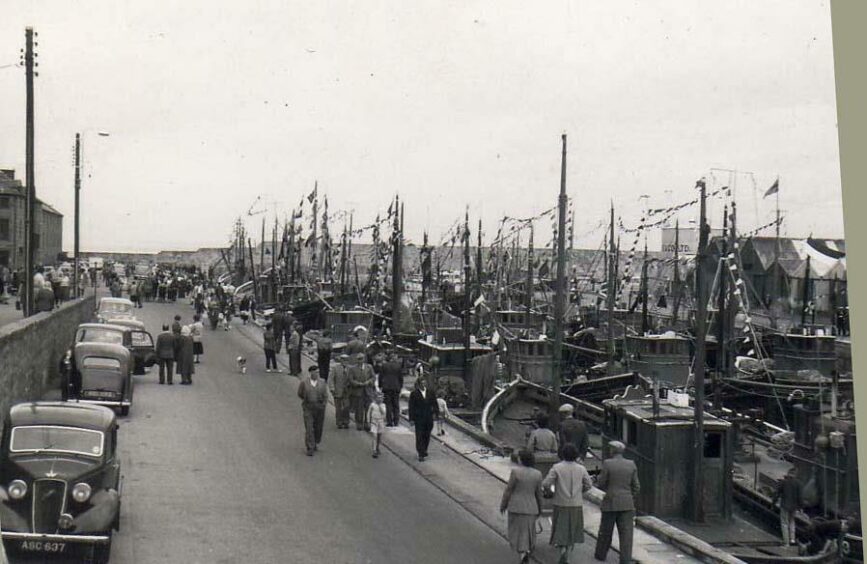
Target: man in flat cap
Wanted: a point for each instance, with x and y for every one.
(619, 479)
(340, 390)
(573, 430)
(314, 398)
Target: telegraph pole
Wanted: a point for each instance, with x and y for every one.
(77, 212)
(30, 179)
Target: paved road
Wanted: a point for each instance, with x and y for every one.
(216, 473)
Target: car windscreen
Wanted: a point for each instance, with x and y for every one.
(141, 339)
(99, 335)
(100, 362)
(114, 307)
(47, 438)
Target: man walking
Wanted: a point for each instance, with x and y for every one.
(573, 431)
(619, 479)
(165, 349)
(323, 353)
(423, 410)
(391, 382)
(293, 344)
(314, 397)
(361, 379)
(790, 496)
(340, 391)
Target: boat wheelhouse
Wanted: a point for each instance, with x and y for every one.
(663, 358)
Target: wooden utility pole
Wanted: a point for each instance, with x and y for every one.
(699, 362)
(560, 298)
(253, 270)
(30, 239)
(76, 249)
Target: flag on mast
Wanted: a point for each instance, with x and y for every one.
(775, 187)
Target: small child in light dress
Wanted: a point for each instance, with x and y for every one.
(376, 418)
(443, 414)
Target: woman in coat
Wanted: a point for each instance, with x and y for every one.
(196, 330)
(423, 410)
(523, 501)
(185, 356)
(570, 480)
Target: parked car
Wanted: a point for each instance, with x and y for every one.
(109, 309)
(105, 375)
(130, 334)
(60, 480)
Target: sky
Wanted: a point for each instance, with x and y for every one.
(217, 108)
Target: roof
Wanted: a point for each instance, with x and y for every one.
(669, 415)
(67, 414)
(793, 254)
(109, 326)
(49, 209)
(115, 301)
(101, 349)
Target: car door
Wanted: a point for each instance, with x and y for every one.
(143, 352)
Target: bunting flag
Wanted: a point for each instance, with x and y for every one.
(312, 195)
(775, 187)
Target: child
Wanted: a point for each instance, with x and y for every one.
(443, 412)
(270, 350)
(376, 419)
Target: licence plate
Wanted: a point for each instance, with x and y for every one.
(43, 546)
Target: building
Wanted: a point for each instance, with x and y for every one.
(48, 225)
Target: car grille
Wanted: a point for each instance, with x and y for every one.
(49, 501)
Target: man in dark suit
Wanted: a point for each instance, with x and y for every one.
(573, 431)
(314, 398)
(423, 410)
(391, 382)
(165, 349)
(619, 479)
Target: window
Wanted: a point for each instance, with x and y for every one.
(4, 203)
(713, 445)
(4, 229)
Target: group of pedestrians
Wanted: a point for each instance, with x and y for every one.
(178, 348)
(566, 483)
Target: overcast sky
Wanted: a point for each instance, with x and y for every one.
(212, 103)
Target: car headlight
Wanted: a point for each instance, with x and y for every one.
(65, 521)
(81, 492)
(17, 489)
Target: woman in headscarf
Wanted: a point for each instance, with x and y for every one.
(522, 499)
(185, 356)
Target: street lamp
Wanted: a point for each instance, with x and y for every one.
(77, 266)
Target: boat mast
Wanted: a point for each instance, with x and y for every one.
(396, 283)
(806, 293)
(560, 298)
(479, 257)
(645, 321)
(611, 275)
(676, 283)
(425, 269)
(699, 361)
(316, 262)
(467, 303)
(529, 293)
(722, 316)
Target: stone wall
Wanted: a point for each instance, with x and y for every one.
(31, 350)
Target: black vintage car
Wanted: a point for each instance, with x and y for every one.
(139, 342)
(60, 480)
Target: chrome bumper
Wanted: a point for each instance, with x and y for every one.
(122, 403)
(96, 539)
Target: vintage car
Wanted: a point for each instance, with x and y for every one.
(60, 481)
(110, 309)
(128, 333)
(105, 375)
